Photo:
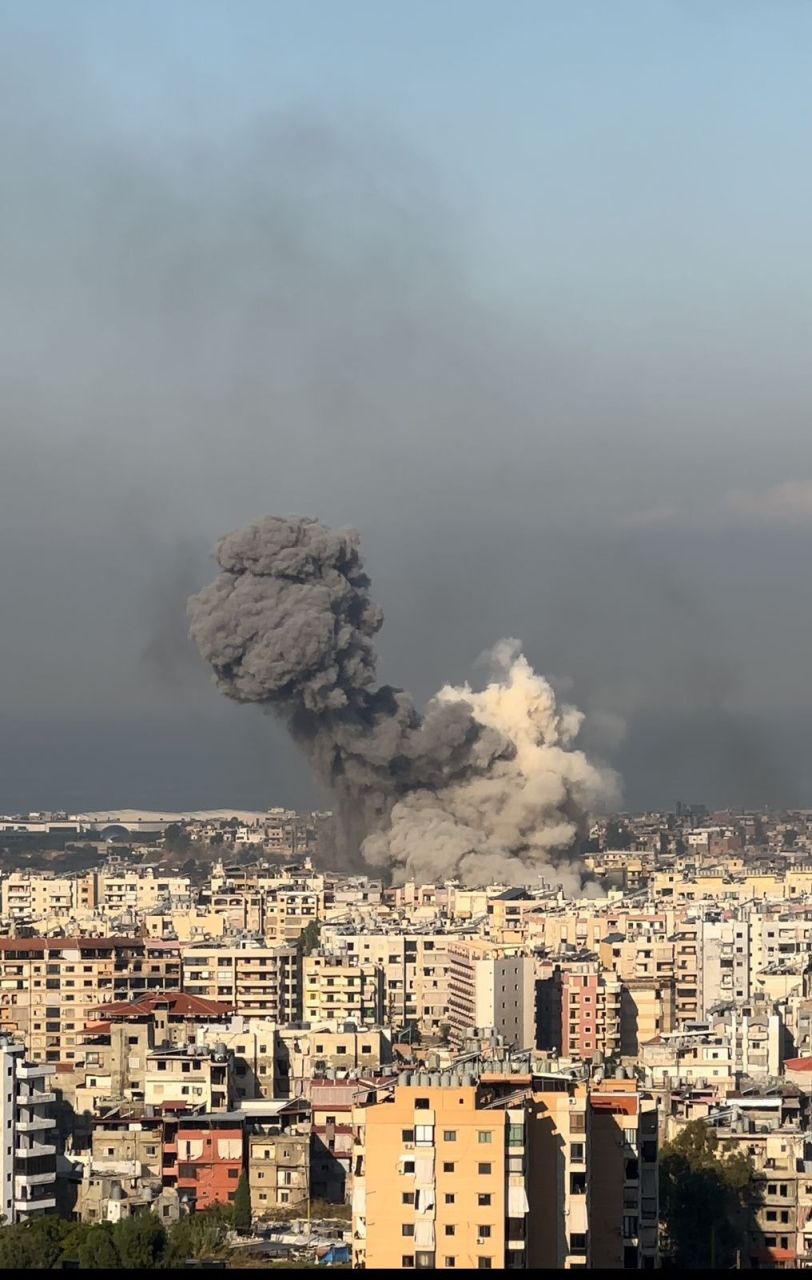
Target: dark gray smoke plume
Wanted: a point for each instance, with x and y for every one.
(483, 786)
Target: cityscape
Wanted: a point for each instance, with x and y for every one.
(420, 1075)
(405, 698)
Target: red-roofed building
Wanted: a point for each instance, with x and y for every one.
(50, 987)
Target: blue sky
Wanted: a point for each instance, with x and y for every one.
(541, 301)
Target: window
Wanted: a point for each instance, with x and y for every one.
(450, 1230)
(578, 1242)
(630, 1226)
(484, 1264)
(483, 1199)
(484, 1232)
(578, 1122)
(407, 1197)
(407, 1135)
(483, 1168)
(485, 1135)
(448, 1166)
(450, 1198)
(424, 1135)
(407, 1260)
(577, 1152)
(408, 1166)
(407, 1229)
(449, 1135)
(425, 1260)
(578, 1184)
(515, 1135)
(233, 1173)
(451, 1262)
(421, 1104)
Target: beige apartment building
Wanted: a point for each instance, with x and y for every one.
(49, 987)
(278, 1171)
(415, 972)
(27, 897)
(335, 988)
(256, 980)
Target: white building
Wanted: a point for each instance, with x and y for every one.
(28, 1151)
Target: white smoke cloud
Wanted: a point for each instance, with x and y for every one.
(519, 821)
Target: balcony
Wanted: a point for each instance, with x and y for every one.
(36, 1124)
(35, 1099)
(33, 1070)
(38, 1149)
(42, 1204)
(22, 1180)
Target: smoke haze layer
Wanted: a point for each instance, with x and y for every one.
(483, 786)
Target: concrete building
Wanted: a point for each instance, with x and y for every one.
(211, 1159)
(49, 987)
(278, 1171)
(255, 979)
(496, 1169)
(338, 989)
(28, 1152)
(488, 989)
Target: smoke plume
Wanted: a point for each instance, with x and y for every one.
(483, 786)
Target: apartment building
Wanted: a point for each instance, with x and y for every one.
(256, 979)
(278, 1171)
(196, 1076)
(623, 1189)
(489, 989)
(27, 897)
(49, 987)
(211, 1158)
(335, 988)
(590, 1013)
(141, 890)
(415, 969)
(459, 1197)
(28, 1152)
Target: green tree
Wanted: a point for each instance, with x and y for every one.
(308, 939)
(706, 1198)
(97, 1250)
(141, 1241)
(241, 1215)
(33, 1245)
(200, 1235)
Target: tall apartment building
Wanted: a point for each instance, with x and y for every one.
(624, 1204)
(28, 1150)
(256, 980)
(459, 1195)
(590, 1013)
(501, 1171)
(335, 988)
(488, 989)
(415, 969)
(49, 987)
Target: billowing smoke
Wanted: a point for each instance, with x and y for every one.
(484, 786)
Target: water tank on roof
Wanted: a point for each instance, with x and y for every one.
(620, 1073)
